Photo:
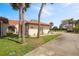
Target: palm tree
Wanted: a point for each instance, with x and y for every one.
(39, 14)
(40, 11)
(22, 7)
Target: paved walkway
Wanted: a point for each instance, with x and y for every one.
(66, 45)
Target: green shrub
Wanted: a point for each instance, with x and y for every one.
(76, 28)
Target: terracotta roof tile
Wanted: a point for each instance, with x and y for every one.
(36, 23)
(11, 22)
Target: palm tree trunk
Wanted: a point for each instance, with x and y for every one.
(40, 11)
(23, 25)
(20, 19)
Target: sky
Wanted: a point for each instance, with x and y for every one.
(51, 12)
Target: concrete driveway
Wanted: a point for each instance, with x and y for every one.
(66, 45)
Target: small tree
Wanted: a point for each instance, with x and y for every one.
(51, 24)
(55, 28)
(76, 28)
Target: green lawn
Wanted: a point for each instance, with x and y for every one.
(10, 47)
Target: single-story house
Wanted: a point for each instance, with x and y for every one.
(13, 26)
(31, 27)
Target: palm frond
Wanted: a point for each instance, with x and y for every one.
(16, 6)
(27, 5)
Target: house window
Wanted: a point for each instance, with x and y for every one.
(31, 27)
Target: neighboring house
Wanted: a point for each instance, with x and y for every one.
(67, 25)
(31, 27)
(70, 27)
(64, 24)
(3, 26)
(13, 26)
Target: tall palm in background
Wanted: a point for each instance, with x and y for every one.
(39, 15)
(22, 7)
(40, 11)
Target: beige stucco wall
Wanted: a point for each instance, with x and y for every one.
(33, 29)
(46, 31)
(33, 32)
(17, 29)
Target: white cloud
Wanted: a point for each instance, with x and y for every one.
(67, 4)
(47, 11)
(77, 11)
